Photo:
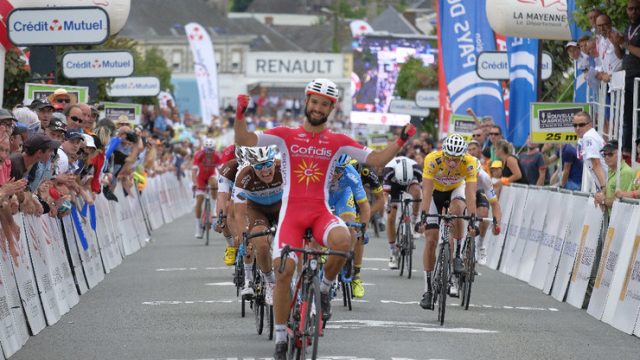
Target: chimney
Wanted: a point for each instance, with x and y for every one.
(268, 20)
(410, 16)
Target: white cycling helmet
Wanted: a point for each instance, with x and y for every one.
(454, 145)
(403, 170)
(239, 153)
(259, 154)
(209, 143)
(323, 87)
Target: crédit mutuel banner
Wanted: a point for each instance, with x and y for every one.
(97, 64)
(58, 26)
(204, 63)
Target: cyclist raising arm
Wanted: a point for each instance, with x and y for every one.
(449, 175)
(308, 158)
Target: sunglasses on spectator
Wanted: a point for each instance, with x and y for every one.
(477, 135)
(76, 119)
(261, 166)
(496, 134)
(608, 154)
(63, 101)
(579, 125)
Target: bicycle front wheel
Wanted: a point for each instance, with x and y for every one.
(409, 252)
(207, 220)
(400, 244)
(310, 323)
(269, 313)
(470, 267)
(444, 281)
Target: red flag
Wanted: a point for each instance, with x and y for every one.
(5, 9)
(445, 109)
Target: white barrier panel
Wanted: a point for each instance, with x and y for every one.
(53, 261)
(560, 220)
(13, 326)
(139, 227)
(26, 282)
(627, 304)
(538, 205)
(70, 292)
(586, 255)
(551, 239)
(150, 202)
(111, 256)
(521, 235)
(76, 264)
(495, 243)
(621, 216)
(36, 247)
(570, 248)
(130, 243)
(513, 233)
(165, 202)
(87, 246)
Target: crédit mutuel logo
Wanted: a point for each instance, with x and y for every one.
(98, 64)
(55, 25)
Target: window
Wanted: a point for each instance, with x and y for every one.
(176, 60)
(236, 61)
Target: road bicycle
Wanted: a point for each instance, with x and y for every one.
(263, 312)
(466, 278)
(345, 277)
(206, 217)
(305, 318)
(442, 273)
(404, 237)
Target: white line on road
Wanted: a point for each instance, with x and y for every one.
(366, 324)
(376, 259)
(178, 302)
(503, 307)
(319, 358)
(226, 283)
(194, 268)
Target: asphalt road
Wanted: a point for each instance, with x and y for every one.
(174, 299)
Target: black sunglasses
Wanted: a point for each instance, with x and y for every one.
(579, 125)
(63, 101)
(76, 119)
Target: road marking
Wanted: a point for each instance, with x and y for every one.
(502, 307)
(382, 269)
(411, 326)
(194, 268)
(226, 283)
(319, 358)
(179, 302)
(376, 259)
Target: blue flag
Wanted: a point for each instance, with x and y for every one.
(465, 33)
(579, 86)
(523, 73)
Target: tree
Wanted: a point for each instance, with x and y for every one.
(553, 89)
(16, 73)
(240, 5)
(616, 9)
(415, 76)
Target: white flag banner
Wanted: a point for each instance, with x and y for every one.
(204, 63)
(164, 97)
(359, 28)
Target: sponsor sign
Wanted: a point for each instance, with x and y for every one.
(552, 122)
(428, 99)
(41, 91)
(494, 65)
(358, 117)
(378, 141)
(541, 19)
(134, 86)
(97, 64)
(58, 26)
(463, 125)
(407, 107)
(113, 110)
(303, 65)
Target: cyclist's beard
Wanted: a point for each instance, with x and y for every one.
(315, 122)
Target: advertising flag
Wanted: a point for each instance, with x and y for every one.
(205, 69)
(465, 33)
(523, 73)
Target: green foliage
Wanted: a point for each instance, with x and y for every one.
(240, 5)
(15, 75)
(415, 76)
(616, 9)
(553, 87)
(345, 10)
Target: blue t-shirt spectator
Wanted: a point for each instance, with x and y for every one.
(532, 163)
(160, 123)
(570, 157)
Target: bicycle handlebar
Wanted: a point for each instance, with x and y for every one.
(406, 201)
(287, 249)
(354, 224)
(453, 217)
(248, 236)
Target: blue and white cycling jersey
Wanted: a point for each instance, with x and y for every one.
(248, 186)
(346, 192)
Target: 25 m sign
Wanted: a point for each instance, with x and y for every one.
(553, 122)
(58, 26)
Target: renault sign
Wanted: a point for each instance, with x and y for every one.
(494, 65)
(97, 64)
(58, 26)
(134, 86)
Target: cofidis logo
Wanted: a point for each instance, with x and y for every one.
(58, 26)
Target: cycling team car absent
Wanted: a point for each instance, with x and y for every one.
(400, 175)
(224, 205)
(449, 175)
(203, 174)
(485, 197)
(369, 179)
(257, 198)
(349, 199)
(308, 158)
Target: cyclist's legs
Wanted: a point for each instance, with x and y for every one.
(482, 210)
(437, 204)
(395, 195)
(416, 193)
(345, 208)
(457, 208)
(213, 186)
(259, 221)
(198, 206)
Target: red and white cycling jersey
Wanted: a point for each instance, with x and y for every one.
(307, 166)
(206, 162)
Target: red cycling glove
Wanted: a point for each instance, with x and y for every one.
(407, 132)
(241, 107)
